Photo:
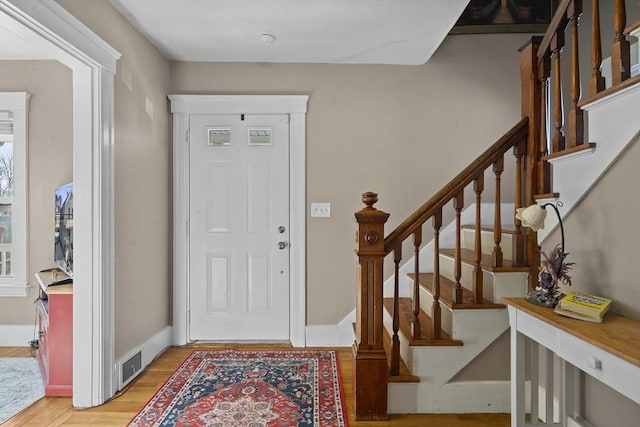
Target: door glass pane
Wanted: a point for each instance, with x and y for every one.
(259, 136)
(219, 137)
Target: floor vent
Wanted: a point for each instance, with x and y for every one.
(130, 368)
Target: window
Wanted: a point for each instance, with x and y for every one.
(13, 193)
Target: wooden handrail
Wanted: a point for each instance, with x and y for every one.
(559, 20)
(456, 185)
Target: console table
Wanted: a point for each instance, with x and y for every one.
(55, 325)
(608, 351)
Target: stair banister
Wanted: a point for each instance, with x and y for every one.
(568, 136)
(533, 145)
(457, 184)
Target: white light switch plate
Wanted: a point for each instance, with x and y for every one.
(321, 210)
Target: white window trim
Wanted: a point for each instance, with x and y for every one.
(18, 284)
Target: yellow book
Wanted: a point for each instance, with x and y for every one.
(585, 304)
(575, 315)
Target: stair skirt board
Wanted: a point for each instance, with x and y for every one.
(481, 397)
(613, 126)
(464, 397)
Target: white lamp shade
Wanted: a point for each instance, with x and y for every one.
(532, 216)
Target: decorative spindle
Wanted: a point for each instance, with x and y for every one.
(597, 83)
(496, 256)
(576, 115)
(458, 204)
(557, 43)
(395, 340)
(620, 53)
(478, 188)
(436, 314)
(416, 330)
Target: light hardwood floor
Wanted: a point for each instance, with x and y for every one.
(57, 411)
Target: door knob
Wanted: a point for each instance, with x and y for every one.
(281, 229)
(282, 245)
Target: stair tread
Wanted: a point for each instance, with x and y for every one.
(506, 229)
(426, 336)
(446, 293)
(468, 256)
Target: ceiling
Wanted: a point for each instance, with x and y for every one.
(310, 31)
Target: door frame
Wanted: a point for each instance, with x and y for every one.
(182, 106)
(60, 36)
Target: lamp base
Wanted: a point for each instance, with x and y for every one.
(544, 297)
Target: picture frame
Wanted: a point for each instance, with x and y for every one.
(505, 16)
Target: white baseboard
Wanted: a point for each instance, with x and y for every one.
(340, 335)
(17, 335)
(578, 422)
(150, 349)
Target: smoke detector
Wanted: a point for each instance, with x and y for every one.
(266, 39)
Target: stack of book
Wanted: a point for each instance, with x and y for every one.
(580, 305)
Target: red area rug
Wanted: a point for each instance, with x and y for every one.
(229, 388)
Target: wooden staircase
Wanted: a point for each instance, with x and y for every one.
(411, 340)
(459, 321)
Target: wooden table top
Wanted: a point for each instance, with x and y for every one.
(616, 334)
(53, 275)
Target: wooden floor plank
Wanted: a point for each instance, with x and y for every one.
(57, 411)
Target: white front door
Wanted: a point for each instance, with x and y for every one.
(239, 227)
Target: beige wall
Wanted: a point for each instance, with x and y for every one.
(142, 176)
(50, 141)
(402, 131)
(601, 237)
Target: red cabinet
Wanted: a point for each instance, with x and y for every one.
(55, 326)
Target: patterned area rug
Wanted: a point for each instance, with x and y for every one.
(20, 385)
(229, 388)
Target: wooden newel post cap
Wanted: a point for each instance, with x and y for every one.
(370, 198)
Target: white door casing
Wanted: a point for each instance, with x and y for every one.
(182, 107)
(239, 227)
(59, 35)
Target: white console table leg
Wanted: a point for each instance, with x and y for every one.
(517, 373)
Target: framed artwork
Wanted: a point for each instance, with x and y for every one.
(505, 16)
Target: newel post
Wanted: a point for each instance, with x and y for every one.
(369, 359)
(537, 177)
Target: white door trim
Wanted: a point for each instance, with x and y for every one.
(294, 105)
(48, 26)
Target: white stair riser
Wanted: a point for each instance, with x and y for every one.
(487, 242)
(426, 303)
(447, 269)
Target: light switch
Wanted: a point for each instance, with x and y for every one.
(321, 210)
